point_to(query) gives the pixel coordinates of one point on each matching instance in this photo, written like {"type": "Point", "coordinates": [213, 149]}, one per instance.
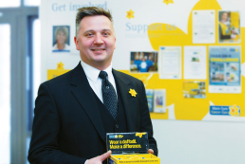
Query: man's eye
{"type": "Point", "coordinates": [89, 34]}
{"type": "Point", "coordinates": [106, 33]}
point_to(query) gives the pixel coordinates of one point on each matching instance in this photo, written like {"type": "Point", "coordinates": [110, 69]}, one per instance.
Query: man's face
{"type": "Point", "coordinates": [96, 41]}
{"type": "Point", "coordinates": [150, 56]}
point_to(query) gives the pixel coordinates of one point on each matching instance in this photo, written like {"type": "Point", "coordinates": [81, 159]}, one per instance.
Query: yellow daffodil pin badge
{"type": "Point", "coordinates": [132, 92]}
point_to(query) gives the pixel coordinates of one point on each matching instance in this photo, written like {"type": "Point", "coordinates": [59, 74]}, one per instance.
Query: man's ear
{"type": "Point", "coordinates": [76, 42]}
{"type": "Point", "coordinates": [115, 43]}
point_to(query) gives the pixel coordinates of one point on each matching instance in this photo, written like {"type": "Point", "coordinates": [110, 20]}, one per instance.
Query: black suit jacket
{"type": "Point", "coordinates": [67, 126]}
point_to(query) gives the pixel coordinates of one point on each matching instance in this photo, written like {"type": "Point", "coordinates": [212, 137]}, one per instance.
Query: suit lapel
{"type": "Point", "coordinates": [127, 100]}
{"type": "Point", "coordinates": [85, 96]}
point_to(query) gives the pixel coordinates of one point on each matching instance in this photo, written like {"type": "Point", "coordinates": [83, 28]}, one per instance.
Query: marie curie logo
{"type": "Point", "coordinates": [233, 110]}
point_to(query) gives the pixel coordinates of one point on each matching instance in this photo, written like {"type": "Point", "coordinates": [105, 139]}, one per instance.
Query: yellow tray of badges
{"type": "Point", "coordinates": [130, 148]}
{"type": "Point", "coordinates": [134, 158]}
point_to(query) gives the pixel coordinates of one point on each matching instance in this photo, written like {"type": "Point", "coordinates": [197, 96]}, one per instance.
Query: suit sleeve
{"type": "Point", "coordinates": [146, 124]}
{"type": "Point", "coordinates": [44, 146]}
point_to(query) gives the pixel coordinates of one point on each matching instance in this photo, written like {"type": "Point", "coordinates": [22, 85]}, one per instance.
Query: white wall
{"type": "Point", "coordinates": [200, 142]}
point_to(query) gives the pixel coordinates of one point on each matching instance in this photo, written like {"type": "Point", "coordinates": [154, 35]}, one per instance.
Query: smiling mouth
{"type": "Point", "coordinates": [97, 49]}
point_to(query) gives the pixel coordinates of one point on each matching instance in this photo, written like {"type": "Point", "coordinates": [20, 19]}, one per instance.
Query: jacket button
{"type": "Point", "coordinates": [117, 126]}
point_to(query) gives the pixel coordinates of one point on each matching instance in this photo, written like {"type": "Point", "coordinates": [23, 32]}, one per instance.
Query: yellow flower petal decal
{"type": "Point", "coordinates": [168, 1]}
{"type": "Point", "coordinates": [60, 66]}
{"type": "Point", "coordinates": [133, 92]}
{"type": "Point", "coordinates": [130, 14]}
{"type": "Point", "coordinates": [234, 110]}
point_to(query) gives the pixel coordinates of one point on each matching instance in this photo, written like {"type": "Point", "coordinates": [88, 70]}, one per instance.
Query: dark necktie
{"type": "Point", "coordinates": [109, 94]}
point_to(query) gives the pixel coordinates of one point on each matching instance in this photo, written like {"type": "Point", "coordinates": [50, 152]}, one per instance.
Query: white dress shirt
{"type": "Point", "coordinates": [95, 82]}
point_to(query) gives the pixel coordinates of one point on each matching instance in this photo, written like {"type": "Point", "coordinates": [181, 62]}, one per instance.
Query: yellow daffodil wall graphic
{"type": "Point", "coordinates": [132, 92]}
{"type": "Point", "coordinates": [168, 1]}
{"type": "Point", "coordinates": [130, 14]}
{"type": "Point", "coordinates": [234, 111]}
{"type": "Point", "coordinates": [144, 80]}
{"type": "Point", "coordinates": [60, 65]}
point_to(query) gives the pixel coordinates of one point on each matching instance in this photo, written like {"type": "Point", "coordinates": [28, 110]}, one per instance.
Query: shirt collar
{"type": "Point", "coordinates": [93, 73]}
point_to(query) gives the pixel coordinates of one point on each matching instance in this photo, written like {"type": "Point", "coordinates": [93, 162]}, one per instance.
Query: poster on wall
{"type": "Point", "coordinates": [225, 69]}
{"type": "Point", "coordinates": [144, 62]}
{"type": "Point", "coordinates": [195, 63]}
{"type": "Point", "coordinates": [160, 101]}
{"type": "Point", "coordinates": [229, 27]}
{"type": "Point", "coordinates": [194, 89]}
{"type": "Point", "coordinates": [61, 39]}
{"type": "Point", "coordinates": [150, 97]}
{"type": "Point", "coordinates": [203, 22]}
{"type": "Point", "coordinates": [170, 62]}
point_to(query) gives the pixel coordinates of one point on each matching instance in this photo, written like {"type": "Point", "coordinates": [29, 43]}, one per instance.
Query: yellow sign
{"type": "Point", "coordinates": [52, 73]}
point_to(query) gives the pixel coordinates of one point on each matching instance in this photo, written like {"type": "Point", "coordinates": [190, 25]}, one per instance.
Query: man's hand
{"type": "Point", "coordinates": [150, 151]}
{"type": "Point", "coordinates": [99, 159]}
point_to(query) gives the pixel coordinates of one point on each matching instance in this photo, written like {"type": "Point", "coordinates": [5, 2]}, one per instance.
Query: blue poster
{"type": "Point", "coordinates": [149, 95]}
{"type": "Point", "coordinates": [224, 69]}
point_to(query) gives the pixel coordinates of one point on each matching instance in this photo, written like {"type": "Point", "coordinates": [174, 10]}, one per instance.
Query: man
{"type": "Point", "coordinates": [137, 60]}
{"type": "Point", "coordinates": [143, 65]}
{"type": "Point", "coordinates": [71, 121]}
{"type": "Point", "coordinates": [149, 61]}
